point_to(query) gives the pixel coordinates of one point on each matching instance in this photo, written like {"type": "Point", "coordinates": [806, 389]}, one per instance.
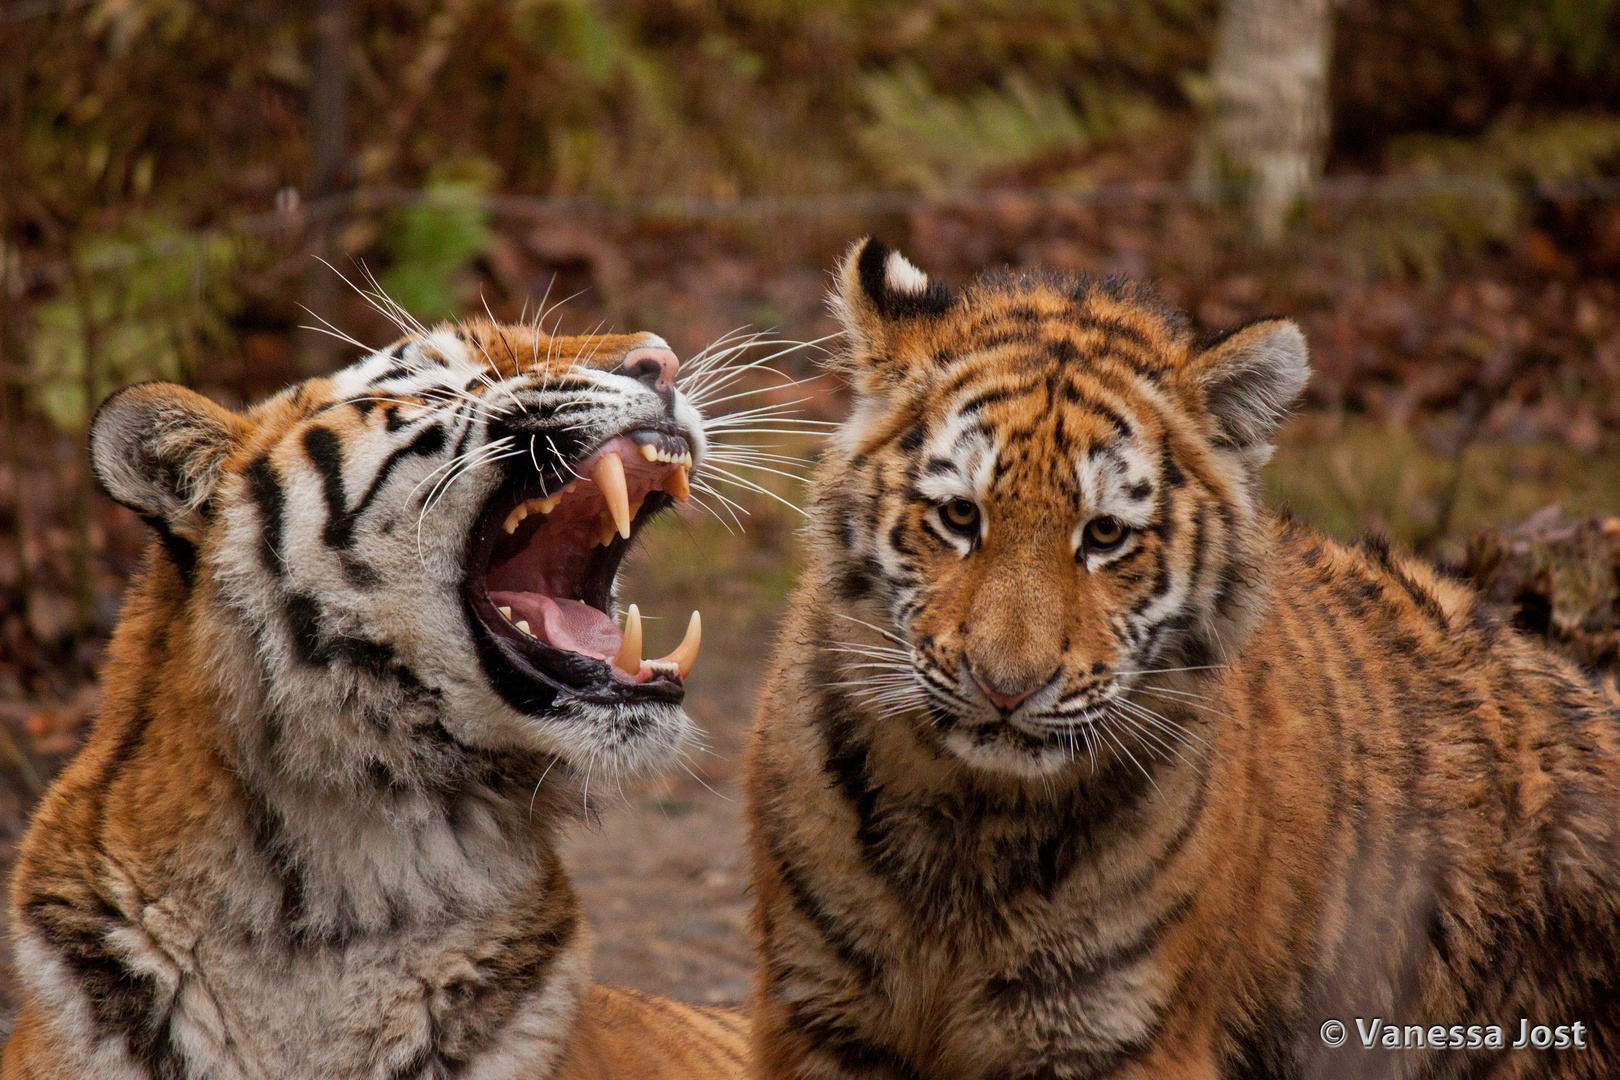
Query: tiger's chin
{"type": "Point", "coordinates": [542, 562]}
{"type": "Point", "coordinates": [1019, 751]}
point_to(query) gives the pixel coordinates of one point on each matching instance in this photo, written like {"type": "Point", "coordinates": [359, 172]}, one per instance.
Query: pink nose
{"type": "Point", "coordinates": [655, 367]}
{"type": "Point", "coordinates": [1004, 700]}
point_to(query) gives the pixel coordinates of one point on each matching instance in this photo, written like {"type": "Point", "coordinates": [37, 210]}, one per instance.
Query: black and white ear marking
{"type": "Point", "coordinates": [877, 285]}
{"type": "Point", "coordinates": [902, 277]}
{"type": "Point", "coordinates": [159, 448]}
{"type": "Point", "coordinates": [1250, 381]}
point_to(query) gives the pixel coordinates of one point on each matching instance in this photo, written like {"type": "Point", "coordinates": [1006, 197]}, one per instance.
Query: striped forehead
{"type": "Point", "coordinates": [450, 361]}
{"type": "Point", "coordinates": [1082, 441]}
{"type": "Point", "coordinates": [440, 361]}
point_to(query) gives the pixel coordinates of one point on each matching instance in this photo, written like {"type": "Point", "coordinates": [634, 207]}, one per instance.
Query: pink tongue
{"type": "Point", "coordinates": [566, 624]}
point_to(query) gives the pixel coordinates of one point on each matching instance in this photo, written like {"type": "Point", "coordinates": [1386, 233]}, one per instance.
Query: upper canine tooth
{"type": "Point", "coordinates": [677, 485]}
{"type": "Point", "coordinates": [649, 451]}
{"type": "Point", "coordinates": [686, 652]}
{"type": "Point", "coordinates": [629, 658]}
{"type": "Point", "coordinates": [609, 477]}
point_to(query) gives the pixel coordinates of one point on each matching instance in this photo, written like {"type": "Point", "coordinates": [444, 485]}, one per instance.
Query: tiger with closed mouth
{"type": "Point", "coordinates": [352, 697]}
{"type": "Point", "coordinates": [1075, 761]}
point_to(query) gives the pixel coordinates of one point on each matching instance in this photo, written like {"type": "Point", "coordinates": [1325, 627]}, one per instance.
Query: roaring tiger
{"type": "Point", "coordinates": [1077, 762]}
{"type": "Point", "coordinates": [351, 699]}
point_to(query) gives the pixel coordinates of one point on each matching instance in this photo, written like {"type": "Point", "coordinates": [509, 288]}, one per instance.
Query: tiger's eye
{"type": "Point", "coordinates": [1105, 534]}
{"type": "Point", "coordinates": [960, 516]}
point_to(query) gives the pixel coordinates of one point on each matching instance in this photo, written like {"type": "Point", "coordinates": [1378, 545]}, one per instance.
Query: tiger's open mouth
{"type": "Point", "coordinates": [541, 569]}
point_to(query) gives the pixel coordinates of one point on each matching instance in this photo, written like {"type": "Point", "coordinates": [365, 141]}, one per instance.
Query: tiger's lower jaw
{"type": "Point", "coordinates": [619, 740]}
{"type": "Point", "coordinates": [999, 747]}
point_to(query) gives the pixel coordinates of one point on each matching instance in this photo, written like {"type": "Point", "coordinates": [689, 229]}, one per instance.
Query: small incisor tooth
{"type": "Point", "coordinates": [609, 477]}
{"type": "Point", "coordinates": [686, 652]}
{"type": "Point", "coordinates": [629, 658]}
{"type": "Point", "coordinates": [677, 485]}
{"type": "Point", "coordinates": [649, 451]}
{"type": "Point", "coordinates": [515, 518]}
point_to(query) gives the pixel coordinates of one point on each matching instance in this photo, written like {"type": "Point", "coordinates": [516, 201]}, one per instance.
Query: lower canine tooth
{"type": "Point", "coordinates": [524, 626]}
{"type": "Point", "coordinates": [506, 612]}
{"type": "Point", "coordinates": [629, 658]}
{"type": "Point", "coordinates": [686, 652]}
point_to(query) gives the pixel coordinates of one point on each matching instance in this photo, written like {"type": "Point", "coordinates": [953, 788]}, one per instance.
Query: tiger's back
{"type": "Point", "coordinates": [1077, 762]}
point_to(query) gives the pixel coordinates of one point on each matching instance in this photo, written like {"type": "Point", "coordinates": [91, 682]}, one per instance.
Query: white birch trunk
{"type": "Point", "coordinates": [1270, 81]}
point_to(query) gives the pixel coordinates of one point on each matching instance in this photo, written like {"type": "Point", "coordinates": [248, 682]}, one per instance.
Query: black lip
{"type": "Point", "coordinates": [530, 673]}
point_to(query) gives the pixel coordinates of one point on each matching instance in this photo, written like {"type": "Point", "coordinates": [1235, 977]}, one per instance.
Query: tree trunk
{"type": "Point", "coordinates": [1269, 130]}
{"type": "Point", "coordinates": [318, 352]}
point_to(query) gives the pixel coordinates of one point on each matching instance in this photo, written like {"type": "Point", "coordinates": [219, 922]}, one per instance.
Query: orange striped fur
{"type": "Point", "coordinates": [313, 832]}
{"type": "Point", "coordinates": [1075, 761]}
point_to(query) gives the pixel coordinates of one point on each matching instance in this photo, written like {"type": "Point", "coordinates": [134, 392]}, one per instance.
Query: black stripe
{"type": "Point", "coordinates": [123, 1002]}
{"type": "Point", "coordinates": [325, 452]}
{"type": "Point", "coordinates": [986, 398]}
{"type": "Point", "coordinates": [1074, 395]}
{"type": "Point", "coordinates": [181, 552]}
{"type": "Point", "coordinates": [265, 488]}
{"type": "Point", "coordinates": [827, 926]}
{"type": "Point", "coordinates": [427, 443]}
{"type": "Point", "coordinates": [1046, 976]}
{"type": "Point", "coordinates": [854, 1054]}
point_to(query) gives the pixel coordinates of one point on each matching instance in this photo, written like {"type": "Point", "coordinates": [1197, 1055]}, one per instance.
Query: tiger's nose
{"type": "Point", "coordinates": [653, 366]}
{"type": "Point", "coordinates": [1008, 698]}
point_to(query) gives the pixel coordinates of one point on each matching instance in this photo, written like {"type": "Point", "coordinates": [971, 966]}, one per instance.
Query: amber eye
{"type": "Point", "coordinates": [1105, 534]}
{"type": "Point", "coordinates": [960, 516]}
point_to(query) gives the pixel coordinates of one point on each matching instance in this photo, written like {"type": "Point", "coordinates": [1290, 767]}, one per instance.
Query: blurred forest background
{"type": "Point", "coordinates": [1444, 221]}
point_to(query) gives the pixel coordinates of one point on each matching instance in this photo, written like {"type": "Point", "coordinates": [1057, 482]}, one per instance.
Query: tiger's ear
{"type": "Point", "coordinates": [1249, 382]}
{"type": "Point", "coordinates": [159, 449]}
{"type": "Point", "coordinates": [878, 292]}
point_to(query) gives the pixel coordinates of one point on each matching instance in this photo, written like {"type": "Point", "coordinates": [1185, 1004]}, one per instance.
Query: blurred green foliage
{"type": "Point", "coordinates": [433, 242]}
{"type": "Point", "coordinates": [1350, 475]}
{"type": "Point", "coordinates": [922, 139]}
{"type": "Point", "coordinates": [148, 305]}
{"type": "Point", "coordinates": [1416, 235]}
